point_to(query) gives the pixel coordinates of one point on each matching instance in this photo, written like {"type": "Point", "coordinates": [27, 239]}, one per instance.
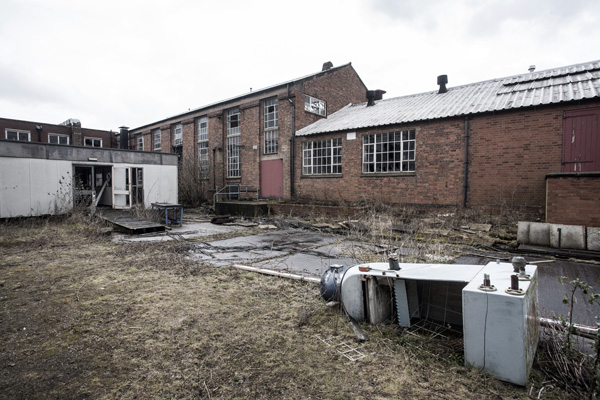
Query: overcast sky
{"type": "Point", "coordinates": [131, 62]}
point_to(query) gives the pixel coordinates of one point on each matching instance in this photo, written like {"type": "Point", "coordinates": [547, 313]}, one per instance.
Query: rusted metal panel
{"type": "Point", "coordinates": [581, 141]}
{"type": "Point", "coordinates": [271, 178]}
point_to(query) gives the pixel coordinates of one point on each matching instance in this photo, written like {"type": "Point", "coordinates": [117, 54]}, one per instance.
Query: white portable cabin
{"type": "Point", "coordinates": [46, 179]}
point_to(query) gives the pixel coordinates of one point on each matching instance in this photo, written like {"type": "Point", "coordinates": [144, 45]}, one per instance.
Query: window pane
{"type": "Point", "coordinates": [391, 152]}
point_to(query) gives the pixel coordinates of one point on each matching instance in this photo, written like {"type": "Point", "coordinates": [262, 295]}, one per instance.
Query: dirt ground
{"type": "Point", "coordinates": [84, 317]}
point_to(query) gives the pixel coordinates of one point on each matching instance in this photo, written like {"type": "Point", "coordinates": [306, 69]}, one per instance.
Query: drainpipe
{"type": "Point", "coordinates": [466, 183]}
{"type": "Point", "coordinates": [292, 142]}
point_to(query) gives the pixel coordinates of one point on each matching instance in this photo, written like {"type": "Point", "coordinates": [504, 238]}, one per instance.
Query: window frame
{"type": "Point", "coordinates": [178, 135]}
{"type": "Point", "coordinates": [202, 130]}
{"type": "Point", "coordinates": [234, 169]}
{"type": "Point", "coordinates": [203, 159]}
{"type": "Point", "coordinates": [234, 121]}
{"type": "Point", "coordinates": [234, 134]}
{"type": "Point", "coordinates": [315, 106]}
{"type": "Point", "coordinates": [389, 152]}
{"type": "Point", "coordinates": [202, 145]}
{"type": "Point", "coordinates": [93, 141]}
{"type": "Point", "coordinates": [139, 142]}
{"type": "Point", "coordinates": [157, 144]}
{"type": "Point", "coordinates": [322, 157]}
{"type": "Point", "coordinates": [271, 126]}
{"type": "Point", "coordinates": [59, 136]}
{"type": "Point", "coordinates": [18, 133]}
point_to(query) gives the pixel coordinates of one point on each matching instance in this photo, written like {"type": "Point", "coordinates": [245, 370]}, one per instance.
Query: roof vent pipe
{"type": "Point", "coordinates": [370, 98]}
{"type": "Point", "coordinates": [531, 68]}
{"type": "Point", "coordinates": [374, 95]}
{"type": "Point", "coordinates": [327, 65]}
{"type": "Point", "coordinates": [442, 80]}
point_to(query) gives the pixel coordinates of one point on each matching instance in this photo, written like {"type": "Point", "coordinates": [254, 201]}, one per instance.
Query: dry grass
{"type": "Point", "coordinates": [84, 317]}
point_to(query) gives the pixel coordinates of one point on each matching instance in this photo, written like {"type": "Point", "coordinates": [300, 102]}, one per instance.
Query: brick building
{"type": "Point", "coordinates": [69, 132]}
{"type": "Point", "coordinates": [500, 143]}
{"type": "Point", "coordinates": [247, 140]}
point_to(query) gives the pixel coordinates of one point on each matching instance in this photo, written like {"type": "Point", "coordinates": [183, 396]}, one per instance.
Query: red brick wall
{"type": "Point", "coordinates": [108, 137]}
{"type": "Point", "coordinates": [337, 87]}
{"type": "Point", "coordinates": [573, 199]}
{"type": "Point", "coordinates": [437, 180]}
{"type": "Point", "coordinates": [510, 154]}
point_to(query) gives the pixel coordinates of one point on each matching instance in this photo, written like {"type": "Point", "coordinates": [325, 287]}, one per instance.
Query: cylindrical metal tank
{"type": "Point", "coordinates": [330, 283]}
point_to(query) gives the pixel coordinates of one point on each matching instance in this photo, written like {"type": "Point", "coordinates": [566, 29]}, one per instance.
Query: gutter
{"type": "Point", "coordinates": [292, 142]}
{"type": "Point", "coordinates": [466, 175]}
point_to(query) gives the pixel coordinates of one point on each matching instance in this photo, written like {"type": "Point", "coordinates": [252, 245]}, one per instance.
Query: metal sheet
{"type": "Point", "coordinates": [558, 85]}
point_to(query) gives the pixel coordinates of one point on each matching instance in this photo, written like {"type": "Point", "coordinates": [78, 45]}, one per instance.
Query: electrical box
{"type": "Point", "coordinates": [501, 327]}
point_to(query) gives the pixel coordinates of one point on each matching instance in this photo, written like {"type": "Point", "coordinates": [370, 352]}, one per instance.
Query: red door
{"type": "Point", "coordinates": [271, 179]}
{"type": "Point", "coordinates": [581, 141]}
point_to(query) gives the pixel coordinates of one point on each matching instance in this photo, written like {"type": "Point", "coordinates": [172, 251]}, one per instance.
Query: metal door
{"type": "Point", "coordinates": [121, 186]}
{"type": "Point", "coordinates": [271, 178]}
{"type": "Point", "coordinates": [581, 141]}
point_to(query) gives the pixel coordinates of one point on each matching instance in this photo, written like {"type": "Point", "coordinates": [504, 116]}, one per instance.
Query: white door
{"type": "Point", "coordinates": [121, 182]}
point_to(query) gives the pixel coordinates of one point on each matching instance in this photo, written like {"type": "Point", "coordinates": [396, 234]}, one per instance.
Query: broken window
{"type": "Point", "coordinates": [15, 134]}
{"type": "Point", "coordinates": [202, 129]}
{"type": "Point", "coordinates": [271, 133]}
{"type": "Point", "coordinates": [315, 106]}
{"type": "Point", "coordinates": [55, 138]}
{"type": "Point", "coordinates": [92, 142]}
{"type": "Point", "coordinates": [156, 136]}
{"type": "Point", "coordinates": [178, 135]}
{"type": "Point", "coordinates": [233, 121]}
{"type": "Point", "coordinates": [389, 152]}
{"type": "Point", "coordinates": [322, 157]}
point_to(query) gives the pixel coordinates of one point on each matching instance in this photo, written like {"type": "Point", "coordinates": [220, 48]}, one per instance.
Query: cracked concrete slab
{"type": "Point", "coordinates": [180, 232]}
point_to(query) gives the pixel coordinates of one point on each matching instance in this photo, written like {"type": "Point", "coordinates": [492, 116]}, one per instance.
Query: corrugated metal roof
{"type": "Point", "coordinates": [576, 82]}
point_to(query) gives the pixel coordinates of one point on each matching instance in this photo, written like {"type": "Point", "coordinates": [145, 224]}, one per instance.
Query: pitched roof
{"type": "Point", "coordinates": [240, 97]}
{"type": "Point", "coordinates": [575, 82]}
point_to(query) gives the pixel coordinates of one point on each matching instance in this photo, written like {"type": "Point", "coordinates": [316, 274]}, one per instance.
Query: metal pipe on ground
{"type": "Point", "coordinates": [277, 273]}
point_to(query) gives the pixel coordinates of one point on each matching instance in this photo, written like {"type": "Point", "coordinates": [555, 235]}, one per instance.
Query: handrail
{"type": "Point", "coordinates": [226, 190]}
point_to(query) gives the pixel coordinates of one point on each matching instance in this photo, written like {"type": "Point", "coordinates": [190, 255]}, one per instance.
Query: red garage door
{"type": "Point", "coordinates": [271, 178]}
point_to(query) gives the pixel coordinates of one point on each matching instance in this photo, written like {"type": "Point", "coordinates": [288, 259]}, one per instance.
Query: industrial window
{"type": "Point", "coordinates": [55, 138]}
{"type": "Point", "coordinates": [202, 129]}
{"type": "Point", "coordinates": [314, 105]}
{"type": "Point", "coordinates": [233, 157]}
{"type": "Point", "coordinates": [271, 128]}
{"type": "Point", "coordinates": [389, 152]}
{"type": "Point", "coordinates": [178, 136]}
{"type": "Point", "coordinates": [156, 137]}
{"type": "Point", "coordinates": [233, 121]}
{"type": "Point", "coordinates": [322, 157]}
{"type": "Point", "coordinates": [92, 142]}
{"type": "Point", "coordinates": [203, 165]}
{"type": "Point", "coordinates": [140, 142]}
{"type": "Point", "coordinates": [233, 143]}
{"type": "Point", "coordinates": [15, 134]}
